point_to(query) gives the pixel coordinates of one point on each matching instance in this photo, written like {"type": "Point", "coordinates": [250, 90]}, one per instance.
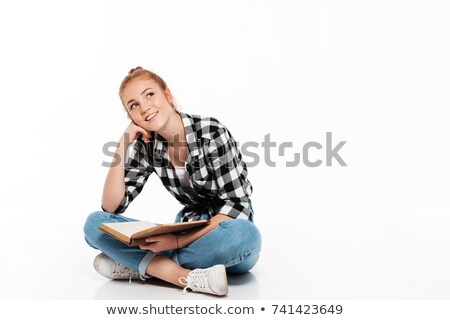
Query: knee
{"type": "Point", "coordinates": [245, 264]}
{"type": "Point", "coordinates": [242, 233]}
{"type": "Point", "coordinates": [239, 238]}
{"type": "Point", "coordinates": [244, 242]}
{"type": "Point", "coordinates": [93, 221]}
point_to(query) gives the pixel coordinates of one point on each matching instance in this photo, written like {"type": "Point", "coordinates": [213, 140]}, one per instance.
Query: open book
{"type": "Point", "coordinates": [134, 233]}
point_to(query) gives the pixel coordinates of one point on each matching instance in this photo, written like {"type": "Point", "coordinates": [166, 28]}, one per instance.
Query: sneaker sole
{"type": "Point", "coordinates": [97, 261]}
{"type": "Point", "coordinates": [221, 277]}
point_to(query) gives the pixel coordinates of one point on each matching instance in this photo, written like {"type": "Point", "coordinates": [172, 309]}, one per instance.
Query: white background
{"type": "Point", "coordinates": [374, 73]}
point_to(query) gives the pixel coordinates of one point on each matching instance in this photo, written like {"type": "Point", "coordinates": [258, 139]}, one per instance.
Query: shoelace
{"type": "Point", "coordinates": [123, 272]}
{"type": "Point", "coordinates": [198, 282]}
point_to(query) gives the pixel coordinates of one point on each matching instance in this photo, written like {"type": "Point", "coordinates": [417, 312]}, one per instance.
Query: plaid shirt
{"type": "Point", "coordinates": [217, 173]}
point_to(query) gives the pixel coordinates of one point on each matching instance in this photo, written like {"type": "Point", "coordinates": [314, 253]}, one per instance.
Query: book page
{"type": "Point", "coordinates": [129, 228]}
{"type": "Point", "coordinates": [168, 228]}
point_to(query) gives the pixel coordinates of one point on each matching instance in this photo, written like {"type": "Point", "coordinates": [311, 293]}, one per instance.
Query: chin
{"type": "Point", "coordinates": [152, 126]}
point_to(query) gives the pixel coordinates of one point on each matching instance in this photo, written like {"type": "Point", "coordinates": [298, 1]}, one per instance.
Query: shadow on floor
{"type": "Point", "coordinates": [243, 286]}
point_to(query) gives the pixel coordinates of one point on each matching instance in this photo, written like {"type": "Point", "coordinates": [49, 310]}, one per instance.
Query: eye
{"type": "Point", "coordinates": [133, 106]}
{"type": "Point", "coordinates": [149, 94]}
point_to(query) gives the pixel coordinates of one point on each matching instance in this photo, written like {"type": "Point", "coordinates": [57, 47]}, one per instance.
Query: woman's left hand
{"type": "Point", "coordinates": [160, 242]}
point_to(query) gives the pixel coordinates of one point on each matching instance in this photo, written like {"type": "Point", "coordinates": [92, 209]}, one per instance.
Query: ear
{"type": "Point", "coordinates": [168, 95]}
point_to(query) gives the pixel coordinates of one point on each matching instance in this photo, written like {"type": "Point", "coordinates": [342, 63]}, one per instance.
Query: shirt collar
{"type": "Point", "coordinates": [160, 145]}
{"type": "Point", "coordinates": [192, 139]}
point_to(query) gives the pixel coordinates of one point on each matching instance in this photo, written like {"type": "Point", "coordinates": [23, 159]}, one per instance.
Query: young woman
{"type": "Point", "coordinates": [199, 163]}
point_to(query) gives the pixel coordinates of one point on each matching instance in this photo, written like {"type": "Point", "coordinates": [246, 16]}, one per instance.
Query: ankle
{"type": "Point", "coordinates": [212, 280]}
{"type": "Point", "coordinates": [165, 269]}
{"type": "Point", "coordinates": [182, 275]}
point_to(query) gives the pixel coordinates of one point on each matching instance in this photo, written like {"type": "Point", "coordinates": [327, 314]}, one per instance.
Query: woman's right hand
{"type": "Point", "coordinates": [133, 131]}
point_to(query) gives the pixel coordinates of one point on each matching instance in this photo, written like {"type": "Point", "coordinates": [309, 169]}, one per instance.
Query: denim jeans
{"type": "Point", "coordinates": [234, 243]}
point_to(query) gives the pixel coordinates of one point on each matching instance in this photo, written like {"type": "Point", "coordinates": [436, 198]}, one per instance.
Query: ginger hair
{"type": "Point", "coordinates": [141, 73]}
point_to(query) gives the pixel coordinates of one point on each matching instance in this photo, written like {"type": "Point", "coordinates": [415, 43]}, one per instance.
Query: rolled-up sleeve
{"type": "Point", "coordinates": [230, 171]}
{"type": "Point", "coordinates": [137, 171]}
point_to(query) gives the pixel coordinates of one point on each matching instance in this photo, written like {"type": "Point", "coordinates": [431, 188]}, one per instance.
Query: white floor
{"type": "Point", "coordinates": [375, 75]}
{"type": "Point", "coordinates": [344, 255]}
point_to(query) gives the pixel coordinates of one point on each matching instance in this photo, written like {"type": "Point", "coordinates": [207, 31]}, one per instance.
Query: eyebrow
{"type": "Point", "coordinates": [132, 100]}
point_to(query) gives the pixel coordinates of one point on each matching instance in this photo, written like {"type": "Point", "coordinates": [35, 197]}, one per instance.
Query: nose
{"type": "Point", "coordinates": [144, 107]}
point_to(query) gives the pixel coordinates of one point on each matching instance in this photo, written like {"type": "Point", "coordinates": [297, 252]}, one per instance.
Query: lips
{"type": "Point", "coordinates": [151, 116]}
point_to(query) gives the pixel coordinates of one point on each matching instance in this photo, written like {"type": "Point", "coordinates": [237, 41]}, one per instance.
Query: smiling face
{"type": "Point", "coordinates": [148, 105]}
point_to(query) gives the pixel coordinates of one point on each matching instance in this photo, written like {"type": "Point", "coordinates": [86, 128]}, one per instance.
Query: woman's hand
{"type": "Point", "coordinates": [133, 131]}
{"type": "Point", "coordinates": [161, 242]}
{"type": "Point", "coordinates": [114, 187]}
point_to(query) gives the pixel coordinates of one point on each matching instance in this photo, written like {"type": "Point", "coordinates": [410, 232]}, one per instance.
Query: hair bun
{"type": "Point", "coordinates": [134, 70]}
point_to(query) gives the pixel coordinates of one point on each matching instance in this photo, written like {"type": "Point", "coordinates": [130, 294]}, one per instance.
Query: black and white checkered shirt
{"type": "Point", "coordinates": [217, 173]}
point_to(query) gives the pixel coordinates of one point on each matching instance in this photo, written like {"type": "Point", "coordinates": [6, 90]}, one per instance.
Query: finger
{"type": "Point", "coordinates": [144, 134]}
{"type": "Point", "coordinates": [149, 136]}
{"type": "Point", "coordinates": [155, 238]}
{"type": "Point", "coordinates": [146, 246]}
{"type": "Point", "coordinates": [139, 129]}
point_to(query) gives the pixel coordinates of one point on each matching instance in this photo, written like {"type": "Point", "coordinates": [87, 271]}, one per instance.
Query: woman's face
{"type": "Point", "coordinates": [147, 104]}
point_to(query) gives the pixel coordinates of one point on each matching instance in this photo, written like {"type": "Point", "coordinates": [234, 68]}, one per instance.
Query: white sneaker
{"type": "Point", "coordinates": [111, 269]}
{"type": "Point", "coordinates": [211, 280]}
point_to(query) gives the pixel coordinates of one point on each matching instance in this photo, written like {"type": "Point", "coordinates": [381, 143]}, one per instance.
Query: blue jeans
{"type": "Point", "coordinates": [234, 243]}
